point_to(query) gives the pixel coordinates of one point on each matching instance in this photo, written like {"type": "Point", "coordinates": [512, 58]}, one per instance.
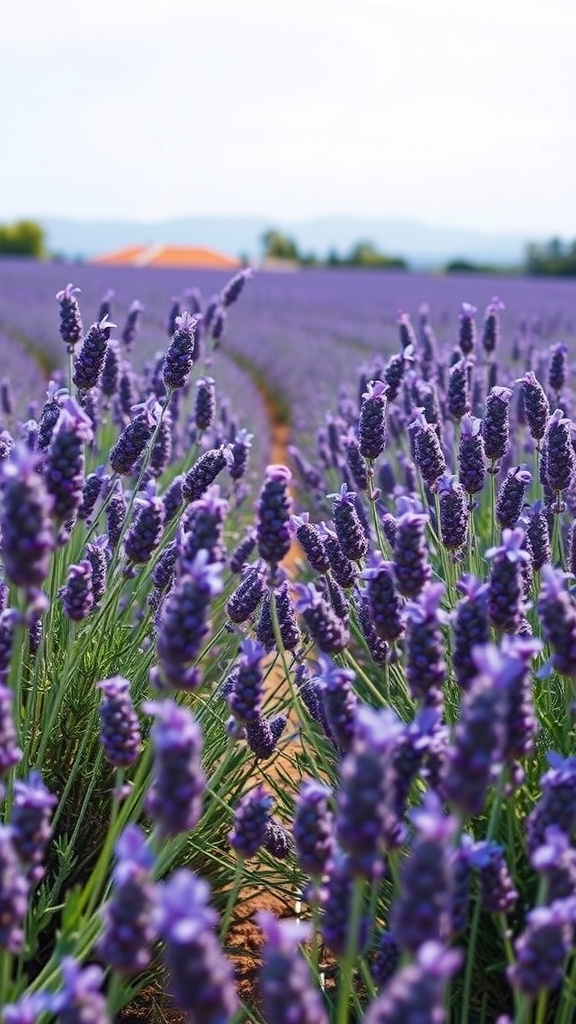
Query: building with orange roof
{"type": "Point", "coordinates": [174, 256]}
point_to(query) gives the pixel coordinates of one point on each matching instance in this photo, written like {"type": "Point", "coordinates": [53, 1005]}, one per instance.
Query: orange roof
{"type": "Point", "coordinates": [168, 256]}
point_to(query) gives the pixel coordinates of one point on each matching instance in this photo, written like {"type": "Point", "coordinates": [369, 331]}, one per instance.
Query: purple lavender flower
{"type": "Point", "coordinates": [50, 414]}
{"type": "Point", "coordinates": [288, 993]}
{"type": "Point", "coordinates": [536, 406]}
{"type": "Point", "coordinates": [560, 457]}
{"type": "Point", "coordinates": [133, 440]}
{"type": "Point", "coordinates": [172, 498]}
{"type": "Point", "coordinates": [454, 513]}
{"type": "Point", "coordinates": [205, 406]}
{"type": "Point", "coordinates": [395, 370]}
{"type": "Point", "coordinates": [81, 1000]}
{"type": "Point", "coordinates": [539, 534]}
{"type": "Point", "coordinates": [356, 461]}
{"type": "Point", "coordinates": [505, 586]}
{"type": "Point", "coordinates": [458, 392]}
{"type": "Point", "coordinates": [349, 529]}
{"type": "Point", "coordinates": [14, 887]}
{"type": "Point", "coordinates": [184, 623]}
{"type": "Point", "coordinates": [491, 327]}
{"type": "Point", "coordinates": [497, 890]}
{"type": "Point", "coordinates": [180, 354]}
{"type": "Point", "coordinates": [425, 667]}
{"type": "Point", "coordinates": [30, 823]}
{"type": "Point", "coordinates": [557, 614]}
{"type": "Point", "coordinates": [557, 369]}
{"type": "Point", "coordinates": [119, 726]}
{"type": "Point", "coordinates": [132, 324]}
{"type": "Point", "coordinates": [325, 628]}
{"type": "Point", "coordinates": [411, 567]}
{"type": "Point", "coordinates": [26, 532]}
{"type": "Point", "coordinates": [428, 454]}
{"type": "Point", "coordinates": [146, 528]}
{"type": "Point", "coordinates": [542, 948]}
{"type": "Point", "coordinates": [175, 798]}
{"type": "Point", "coordinates": [240, 450]}
{"type": "Point", "coordinates": [130, 926]}
{"type": "Point", "coordinates": [337, 904]}
{"type": "Point", "coordinates": [89, 362]}
{"type": "Point", "coordinates": [495, 424]}
{"type": "Point", "coordinates": [385, 960]}
{"type": "Point", "coordinates": [64, 466]}
{"type": "Point", "coordinates": [274, 507]}
{"type": "Point", "coordinates": [510, 666]}
{"type": "Point", "coordinates": [510, 498]}
{"type": "Point", "coordinates": [110, 377]}
{"type": "Point", "coordinates": [421, 912]}
{"type": "Point", "coordinates": [470, 628]}
{"type": "Point", "coordinates": [201, 976]}
{"type": "Point", "coordinates": [262, 735]}
{"type": "Point", "coordinates": [244, 601]}
{"type": "Point", "coordinates": [362, 796]}
{"type": "Point", "coordinates": [289, 631]}
{"type": "Point", "coordinates": [235, 286]}
{"type": "Point", "coordinates": [343, 569]}
{"type": "Point", "coordinates": [377, 647]}
{"type": "Point", "coordinates": [278, 842]}
{"type": "Point", "coordinates": [116, 515]}
{"type": "Point", "coordinates": [219, 324]}
{"type": "Point", "coordinates": [71, 328]}
{"type": "Point", "coordinates": [92, 490]}
{"type": "Point", "coordinates": [555, 860]}
{"type": "Point", "coordinates": [461, 870]}
{"type": "Point", "coordinates": [28, 1008]}
{"type": "Point", "coordinates": [246, 698]}
{"type": "Point", "coordinates": [471, 455]}
{"type": "Point", "coordinates": [78, 596]}
{"type": "Point", "coordinates": [8, 621]}
{"type": "Point", "coordinates": [372, 425]}
{"type": "Point", "coordinates": [467, 331]}
{"type": "Point", "coordinates": [204, 472]}
{"type": "Point", "coordinates": [310, 539]}
{"type": "Point", "coordinates": [415, 994]}
{"type": "Point", "coordinates": [339, 702]}
{"type": "Point", "coordinates": [313, 828]}
{"type": "Point", "coordinates": [251, 818]}
{"type": "Point", "coordinates": [556, 805]}
{"type": "Point", "coordinates": [243, 550]}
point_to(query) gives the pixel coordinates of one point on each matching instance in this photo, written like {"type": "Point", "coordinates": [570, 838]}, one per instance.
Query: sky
{"type": "Point", "coordinates": [459, 113]}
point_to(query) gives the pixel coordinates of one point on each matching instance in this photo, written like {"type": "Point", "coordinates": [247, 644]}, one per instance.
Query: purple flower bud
{"type": "Point", "coordinates": [415, 994]}
{"type": "Point", "coordinates": [110, 378]}
{"type": "Point", "coordinates": [204, 472]}
{"type": "Point", "coordinates": [205, 407]}
{"type": "Point", "coordinates": [349, 530]}
{"type": "Point", "coordinates": [146, 528]}
{"type": "Point", "coordinates": [184, 623]}
{"type": "Point", "coordinates": [471, 455]}
{"type": "Point", "coordinates": [262, 735]}
{"type": "Point", "coordinates": [372, 425]}
{"type": "Point", "coordinates": [557, 803]}
{"type": "Point", "coordinates": [235, 286]}
{"type": "Point", "coordinates": [132, 324]}
{"type": "Point", "coordinates": [411, 568]}
{"type": "Point", "coordinates": [26, 533]}
{"type": "Point", "coordinates": [557, 614]}
{"type": "Point", "coordinates": [458, 392]}
{"type": "Point", "coordinates": [78, 595]}
{"type": "Point", "coordinates": [71, 328]}
{"type": "Point", "coordinates": [313, 829]}
{"type": "Point", "coordinates": [130, 927]}
{"type": "Point", "coordinates": [310, 540]}
{"type": "Point", "coordinates": [201, 976]}
{"type": "Point", "coordinates": [343, 569]}
{"type": "Point", "coordinates": [556, 861]}
{"type": "Point", "coordinates": [274, 507]}
{"type": "Point", "coordinates": [289, 632]}
{"type": "Point", "coordinates": [467, 332]}
{"type": "Point", "coordinates": [251, 819]}
{"type": "Point", "coordinates": [91, 492]}
{"type": "Point", "coordinates": [428, 454]}
{"type": "Point", "coordinates": [175, 799]}
{"type": "Point", "coordinates": [425, 667]}
{"type": "Point", "coordinates": [454, 513]}
{"type": "Point", "coordinates": [81, 1000]}
{"type": "Point", "coordinates": [244, 601]}
{"type": "Point", "coordinates": [491, 328]}
{"type": "Point", "coordinates": [172, 498]}
{"type": "Point", "coordinates": [288, 993]}
{"type": "Point", "coordinates": [247, 696]}
{"type": "Point", "coordinates": [219, 323]}
{"type": "Point", "coordinates": [89, 362]}
{"type": "Point", "coordinates": [7, 628]}
{"type": "Point", "coordinates": [461, 869]}
{"type": "Point", "coordinates": [560, 457]}
{"type": "Point", "coordinates": [115, 515]}
{"type": "Point", "coordinates": [64, 466]}
{"type": "Point", "coordinates": [385, 960]}
{"type": "Point", "coordinates": [337, 905]}
{"type": "Point", "coordinates": [134, 438]}
{"type": "Point", "coordinates": [495, 425]}
{"type": "Point", "coordinates": [505, 590]}
{"type": "Point", "coordinates": [325, 628]}
{"type": "Point", "coordinates": [377, 647]}
{"type": "Point", "coordinates": [14, 887]}
{"type": "Point", "coordinates": [542, 948]}
{"type": "Point", "coordinates": [557, 369]}
{"type": "Point", "coordinates": [421, 912]}
{"type": "Point", "coordinates": [30, 823]}
{"type": "Point", "coordinates": [536, 407]}
{"type": "Point", "coordinates": [180, 354]}
{"type": "Point", "coordinates": [539, 534]}
{"type": "Point", "coordinates": [119, 727]}
{"type": "Point", "coordinates": [356, 461]}
{"type": "Point", "coordinates": [243, 550]}
{"type": "Point", "coordinates": [470, 628]}
{"type": "Point", "coordinates": [339, 702]}
{"type": "Point", "coordinates": [497, 890]}
{"type": "Point", "coordinates": [510, 498]}
{"type": "Point", "coordinates": [278, 842]}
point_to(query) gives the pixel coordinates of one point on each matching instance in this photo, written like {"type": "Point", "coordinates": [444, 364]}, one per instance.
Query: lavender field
{"type": "Point", "coordinates": [287, 648]}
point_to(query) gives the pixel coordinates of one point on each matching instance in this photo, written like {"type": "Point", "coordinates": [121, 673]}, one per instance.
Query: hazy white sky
{"type": "Point", "coordinates": [455, 112]}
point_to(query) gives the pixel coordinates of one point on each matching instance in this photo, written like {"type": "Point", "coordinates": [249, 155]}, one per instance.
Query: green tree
{"type": "Point", "coordinates": [278, 246]}
{"type": "Point", "coordinates": [23, 238]}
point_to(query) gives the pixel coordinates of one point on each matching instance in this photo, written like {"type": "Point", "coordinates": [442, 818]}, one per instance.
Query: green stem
{"type": "Point", "coordinates": [347, 964]}
{"type": "Point", "coordinates": [232, 899]}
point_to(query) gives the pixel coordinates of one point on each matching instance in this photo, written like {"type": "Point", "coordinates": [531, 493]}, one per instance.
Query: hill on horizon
{"type": "Point", "coordinates": [423, 245]}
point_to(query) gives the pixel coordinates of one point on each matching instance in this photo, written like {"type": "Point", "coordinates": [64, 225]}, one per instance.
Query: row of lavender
{"type": "Point", "coordinates": [412, 804]}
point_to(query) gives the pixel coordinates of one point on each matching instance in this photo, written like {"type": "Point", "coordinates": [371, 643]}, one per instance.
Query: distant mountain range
{"type": "Point", "coordinates": [421, 244]}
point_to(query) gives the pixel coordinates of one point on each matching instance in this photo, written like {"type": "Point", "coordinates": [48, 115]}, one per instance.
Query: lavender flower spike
{"type": "Point", "coordinates": [505, 586]}
{"type": "Point", "coordinates": [557, 613]}
{"type": "Point", "coordinates": [288, 992]}
{"type": "Point", "coordinates": [414, 995]}
{"type": "Point", "coordinates": [180, 355]}
{"type": "Point", "coordinates": [560, 463]}
{"type": "Point", "coordinates": [119, 727]}
{"type": "Point", "coordinates": [325, 628]}
{"type": "Point", "coordinates": [89, 362]}
{"type": "Point", "coordinates": [26, 531]}
{"type": "Point", "coordinates": [251, 819]}
{"type": "Point", "coordinates": [372, 425]}
{"type": "Point", "coordinates": [274, 508]}
{"type": "Point", "coordinates": [175, 799]}
{"type": "Point", "coordinates": [71, 329]}
{"type": "Point", "coordinates": [30, 822]}
{"type": "Point", "coordinates": [471, 455]}
{"type": "Point", "coordinates": [82, 998]}
{"type": "Point", "coordinates": [130, 919]}
{"type": "Point", "coordinates": [495, 424]}
{"type": "Point", "coordinates": [454, 513]}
